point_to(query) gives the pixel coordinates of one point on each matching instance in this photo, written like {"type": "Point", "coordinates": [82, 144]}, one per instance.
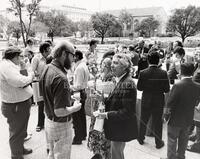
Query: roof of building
{"type": "Point", "coordinates": [137, 12]}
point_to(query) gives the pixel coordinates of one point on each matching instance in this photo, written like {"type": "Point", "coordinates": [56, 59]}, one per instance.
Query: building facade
{"type": "Point", "coordinates": [138, 14]}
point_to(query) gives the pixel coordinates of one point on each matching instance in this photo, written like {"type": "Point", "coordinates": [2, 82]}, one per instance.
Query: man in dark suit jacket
{"type": "Point", "coordinates": [120, 124]}
{"type": "Point", "coordinates": [142, 52]}
{"type": "Point", "coordinates": [154, 83]}
{"type": "Point", "coordinates": [195, 147]}
{"type": "Point", "coordinates": [182, 99]}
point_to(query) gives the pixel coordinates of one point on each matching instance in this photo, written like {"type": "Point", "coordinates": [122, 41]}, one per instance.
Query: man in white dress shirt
{"type": "Point", "coordinates": [15, 95]}
{"type": "Point", "coordinates": [81, 77]}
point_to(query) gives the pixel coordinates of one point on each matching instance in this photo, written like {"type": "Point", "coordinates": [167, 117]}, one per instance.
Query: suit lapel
{"type": "Point", "coordinates": [118, 85]}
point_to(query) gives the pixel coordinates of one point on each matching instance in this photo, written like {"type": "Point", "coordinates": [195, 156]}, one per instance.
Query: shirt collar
{"type": "Point", "coordinates": [58, 65]}
{"type": "Point", "coordinates": [119, 78]}
{"type": "Point", "coordinates": [153, 65]}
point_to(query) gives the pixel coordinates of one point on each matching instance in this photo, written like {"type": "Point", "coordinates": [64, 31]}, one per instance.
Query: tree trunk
{"type": "Point", "coordinates": [52, 38]}
{"type": "Point", "coordinates": [22, 29]}
{"type": "Point", "coordinates": [102, 38]}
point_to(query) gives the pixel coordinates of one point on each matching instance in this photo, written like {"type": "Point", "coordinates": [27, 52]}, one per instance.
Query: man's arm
{"type": "Point", "coordinates": [166, 83]}
{"type": "Point", "coordinates": [141, 82]}
{"type": "Point", "coordinates": [62, 97]}
{"type": "Point", "coordinates": [128, 104]}
{"type": "Point", "coordinates": [15, 79]}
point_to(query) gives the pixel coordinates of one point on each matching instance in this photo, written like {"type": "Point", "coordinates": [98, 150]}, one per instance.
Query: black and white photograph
{"type": "Point", "coordinates": [100, 79]}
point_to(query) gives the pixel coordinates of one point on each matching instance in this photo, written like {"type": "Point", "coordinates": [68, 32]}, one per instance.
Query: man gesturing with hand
{"type": "Point", "coordinates": [57, 101]}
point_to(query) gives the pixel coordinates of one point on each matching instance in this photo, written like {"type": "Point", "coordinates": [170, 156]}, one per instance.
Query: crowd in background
{"type": "Point", "coordinates": [57, 80]}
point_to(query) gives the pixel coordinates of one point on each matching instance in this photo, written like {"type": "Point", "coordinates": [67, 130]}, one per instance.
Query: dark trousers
{"type": "Point", "coordinates": [41, 115]}
{"type": "Point", "coordinates": [17, 115]}
{"type": "Point", "coordinates": [79, 120]}
{"type": "Point", "coordinates": [156, 121]}
{"type": "Point", "coordinates": [177, 135]}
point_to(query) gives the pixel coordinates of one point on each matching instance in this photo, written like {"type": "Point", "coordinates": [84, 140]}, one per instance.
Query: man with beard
{"type": "Point", "coordinates": [56, 93]}
{"type": "Point", "coordinates": [81, 77]}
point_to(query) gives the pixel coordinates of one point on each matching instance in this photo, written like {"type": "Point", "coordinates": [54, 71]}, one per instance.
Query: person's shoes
{"type": "Point", "coordinates": [192, 137]}
{"type": "Point", "coordinates": [141, 142]}
{"type": "Point", "coordinates": [39, 128]}
{"type": "Point", "coordinates": [27, 151]}
{"type": "Point", "coordinates": [97, 156]}
{"type": "Point", "coordinates": [193, 149]}
{"type": "Point", "coordinates": [160, 145]}
{"type": "Point", "coordinates": [28, 137]}
{"type": "Point", "coordinates": [76, 142]}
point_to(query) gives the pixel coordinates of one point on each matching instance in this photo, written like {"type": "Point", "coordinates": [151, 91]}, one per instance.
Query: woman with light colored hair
{"type": "Point", "coordinates": [97, 142]}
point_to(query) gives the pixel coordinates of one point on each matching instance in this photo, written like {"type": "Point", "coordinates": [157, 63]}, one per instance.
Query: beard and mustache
{"type": "Point", "coordinates": [67, 63]}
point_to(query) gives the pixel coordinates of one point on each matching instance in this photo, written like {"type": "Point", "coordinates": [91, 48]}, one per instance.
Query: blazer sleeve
{"type": "Point", "coordinates": [166, 83]}
{"type": "Point", "coordinates": [141, 82]}
{"type": "Point", "coordinates": [173, 97]}
{"type": "Point", "coordinates": [128, 104]}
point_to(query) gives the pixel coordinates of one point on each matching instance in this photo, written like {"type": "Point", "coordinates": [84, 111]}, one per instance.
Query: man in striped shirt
{"type": "Point", "coordinates": [15, 93]}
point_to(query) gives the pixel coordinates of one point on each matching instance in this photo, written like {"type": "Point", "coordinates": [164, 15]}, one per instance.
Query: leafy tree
{"type": "Point", "coordinates": [126, 20]}
{"type": "Point", "coordinates": [101, 22]}
{"type": "Point", "coordinates": [84, 27]}
{"type": "Point", "coordinates": [147, 26]}
{"type": "Point", "coordinates": [14, 29]}
{"type": "Point", "coordinates": [56, 22]}
{"type": "Point", "coordinates": [115, 30]}
{"type": "Point", "coordinates": [18, 7]}
{"type": "Point", "coordinates": [184, 22]}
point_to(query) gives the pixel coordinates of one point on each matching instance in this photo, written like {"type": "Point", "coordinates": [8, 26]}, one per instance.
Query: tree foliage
{"type": "Point", "coordinates": [115, 29]}
{"type": "Point", "coordinates": [14, 29]}
{"type": "Point", "coordinates": [101, 22]}
{"type": "Point", "coordinates": [147, 26]}
{"type": "Point", "coordinates": [84, 27]}
{"type": "Point", "coordinates": [184, 22]}
{"type": "Point", "coordinates": [56, 22]}
{"type": "Point", "coordinates": [18, 7]}
{"type": "Point", "coordinates": [126, 19]}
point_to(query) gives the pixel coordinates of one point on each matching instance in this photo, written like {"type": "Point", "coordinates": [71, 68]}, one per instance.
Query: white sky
{"type": "Point", "coordinates": [99, 5]}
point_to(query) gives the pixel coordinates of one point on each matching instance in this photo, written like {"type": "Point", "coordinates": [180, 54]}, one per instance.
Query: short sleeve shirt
{"type": "Point", "coordinates": [55, 90]}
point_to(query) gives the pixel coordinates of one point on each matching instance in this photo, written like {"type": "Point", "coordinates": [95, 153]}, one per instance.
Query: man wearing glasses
{"type": "Point", "coordinates": [57, 100]}
{"type": "Point", "coordinates": [15, 93]}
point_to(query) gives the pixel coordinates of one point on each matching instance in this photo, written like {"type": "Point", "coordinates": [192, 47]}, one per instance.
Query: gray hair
{"type": "Point", "coordinates": [124, 60]}
{"type": "Point", "coordinates": [62, 46]}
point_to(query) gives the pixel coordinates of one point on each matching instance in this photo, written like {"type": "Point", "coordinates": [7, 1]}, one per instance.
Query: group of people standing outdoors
{"type": "Point", "coordinates": [61, 106]}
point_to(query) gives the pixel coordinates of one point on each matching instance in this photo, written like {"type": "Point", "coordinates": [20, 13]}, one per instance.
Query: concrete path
{"type": "Point", "coordinates": [132, 151]}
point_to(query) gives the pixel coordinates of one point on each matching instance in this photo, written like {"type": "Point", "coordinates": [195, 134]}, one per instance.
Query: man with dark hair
{"type": "Point", "coordinates": [15, 93]}
{"type": "Point", "coordinates": [81, 77]}
{"type": "Point", "coordinates": [38, 64]}
{"type": "Point", "coordinates": [154, 83]}
{"type": "Point", "coordinates": [179, 112]}
{"type": "Point", "coordinates": [91, 54]}
{"type": "Point", "coordinates": [175, 66]}
{"type": "Point", "coordinates": [142, 52]}
{"type": "Point", "coordinates": [57, 100]}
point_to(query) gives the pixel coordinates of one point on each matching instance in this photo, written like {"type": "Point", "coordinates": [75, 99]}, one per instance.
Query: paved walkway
{"type": "Point", "coordinates": [132, 151]}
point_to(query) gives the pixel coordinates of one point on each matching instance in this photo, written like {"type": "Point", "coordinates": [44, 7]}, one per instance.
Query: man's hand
{"type": "Point", "coordinates": [166, 114]}
{"type": "Point", "coordinates": [76, 106]}
{"type": "Point", "coordinates": [99, 115]}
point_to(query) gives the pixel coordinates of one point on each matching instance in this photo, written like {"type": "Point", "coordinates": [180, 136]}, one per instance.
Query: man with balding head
{"type": "Point", "coordinates": [120, 124]}
{"type": "Point", "coordinates": [56, 93]}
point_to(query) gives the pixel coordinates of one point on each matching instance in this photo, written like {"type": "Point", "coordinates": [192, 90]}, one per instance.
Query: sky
{"type": "Point", "coordinates": [100, 5]}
